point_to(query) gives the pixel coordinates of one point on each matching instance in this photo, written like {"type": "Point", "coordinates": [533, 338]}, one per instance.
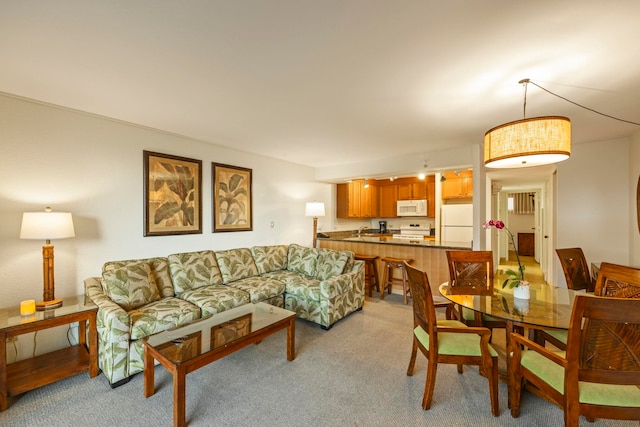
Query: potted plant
{"type": "Point", "coordinates": [515, 279]}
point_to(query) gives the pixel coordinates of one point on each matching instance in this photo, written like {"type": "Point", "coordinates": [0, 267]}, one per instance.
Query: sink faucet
{"type": "Point", "coordinates": [360, 230]}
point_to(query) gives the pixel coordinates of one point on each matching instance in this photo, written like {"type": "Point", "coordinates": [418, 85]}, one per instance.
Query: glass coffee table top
{"type": "Point", "coordinates": [201, 336]}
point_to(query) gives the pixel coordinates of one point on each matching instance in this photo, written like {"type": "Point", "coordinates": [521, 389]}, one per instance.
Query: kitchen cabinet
{"type": "Point", "coordinates": [354, 200]}
{"type": "Point", "coordinates": [388, 199]}
{"type": "Point", "coordinates": [457, 186]}
{"type": "Point", "coordinates": [406, 189]}
{"type": "Point", "coordinates": [412, 190]}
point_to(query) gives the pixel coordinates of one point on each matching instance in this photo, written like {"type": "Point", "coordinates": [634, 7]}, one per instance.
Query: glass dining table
{"type": "Point", "coordinates": [549, 307]}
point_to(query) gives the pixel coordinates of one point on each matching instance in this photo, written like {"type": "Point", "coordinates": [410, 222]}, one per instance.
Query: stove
{"type": "Point", "coordinates": [413, 231]}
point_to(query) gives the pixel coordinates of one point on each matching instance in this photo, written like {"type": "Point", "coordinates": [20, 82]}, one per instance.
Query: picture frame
{"type": "Point", "coordinates": [172, 195]}
{"type": "Point", "coordinates": [232, 198]}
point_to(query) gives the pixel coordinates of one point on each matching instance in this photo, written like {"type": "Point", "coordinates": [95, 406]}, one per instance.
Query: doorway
{"type": "Point", "coordinates": [539, 184]}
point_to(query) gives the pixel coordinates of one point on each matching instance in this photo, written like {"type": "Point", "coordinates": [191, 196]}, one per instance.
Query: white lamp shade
{"type": "Point", "coordinates": [314, 209]}
{"type": "Point", "coordinates": [46, 225]}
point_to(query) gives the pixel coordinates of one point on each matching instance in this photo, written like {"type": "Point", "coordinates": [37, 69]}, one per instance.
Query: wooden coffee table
{"type": "Point", "coordinates": [192, 346]}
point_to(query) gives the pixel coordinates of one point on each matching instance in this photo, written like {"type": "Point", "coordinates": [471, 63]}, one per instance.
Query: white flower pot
{"type": "Point", "coordinates": [521, 291]}
{"type": "Point", "coordinates": [521, 305]}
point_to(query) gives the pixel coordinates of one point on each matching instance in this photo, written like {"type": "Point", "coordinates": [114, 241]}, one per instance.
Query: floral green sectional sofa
{"type": "Point", "coordinates": [141, 297]}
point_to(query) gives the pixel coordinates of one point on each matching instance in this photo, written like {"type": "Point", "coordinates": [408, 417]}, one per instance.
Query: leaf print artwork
{"type": "Point", "coordinates": [173, 194]}
{"type": "Point", "coordinates": [232, 198]}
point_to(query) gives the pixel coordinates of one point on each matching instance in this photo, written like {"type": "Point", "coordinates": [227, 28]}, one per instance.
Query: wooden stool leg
{"type": "Point", "coordinates": [404, 284]}
{"type": "Point", "coordinates": [385, 281]}
{"type": "Point", "coordinates": [375, 281]}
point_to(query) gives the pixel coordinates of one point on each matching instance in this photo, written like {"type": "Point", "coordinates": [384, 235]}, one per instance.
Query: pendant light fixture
{"type": "Point", "coordinates": [528, 142]}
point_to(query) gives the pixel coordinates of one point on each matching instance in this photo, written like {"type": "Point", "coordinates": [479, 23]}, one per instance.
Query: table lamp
{"type": "Point", "coordinates": [314, 209]}
{"type": "Point", "coordinates": [47, 225]}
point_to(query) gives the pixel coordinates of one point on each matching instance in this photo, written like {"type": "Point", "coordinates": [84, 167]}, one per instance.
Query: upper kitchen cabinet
{"type": "Point", "coordinates": [357, 200]}
{"type": "Point", "coordinates": [406, 189]}
{"type": "Point", "coordinates": [457, 185]}
{"type": "Point", "coordinates": [411, 189]}
{"type": "Point", "coordinates": [388, 199]}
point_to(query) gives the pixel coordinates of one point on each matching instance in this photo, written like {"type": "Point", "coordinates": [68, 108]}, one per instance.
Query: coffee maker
{"type": "Point", "coordinates": [383, 227]}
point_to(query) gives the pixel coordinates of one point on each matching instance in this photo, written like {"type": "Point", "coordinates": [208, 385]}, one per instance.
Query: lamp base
{"type": "Point", "coordinates": [48, 305]}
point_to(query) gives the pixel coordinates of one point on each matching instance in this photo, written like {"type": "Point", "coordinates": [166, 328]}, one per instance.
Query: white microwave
{"type": "Point", "coordinates": [411, 208]}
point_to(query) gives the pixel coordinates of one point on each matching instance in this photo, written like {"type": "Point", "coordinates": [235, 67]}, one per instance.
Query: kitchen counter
{"type": "Point", "coordinates": [426, 253]}
{"type": "Point", "coordinates": [385, 239]}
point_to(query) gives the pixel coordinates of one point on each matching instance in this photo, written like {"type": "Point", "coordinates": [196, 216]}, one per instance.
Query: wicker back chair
{"type": "Point", "coordinates": [618, 281]}
{"type": "Point", "coordinates": [576, 269]}
{"type": "Point", "coordinates": [470, 346]}
{"type": "Point", "coordinates": [470, 272]}
{"type": "Point", "coordinates": [603, 355]}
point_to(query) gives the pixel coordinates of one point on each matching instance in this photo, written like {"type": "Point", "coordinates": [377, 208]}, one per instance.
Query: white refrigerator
{"type": "Point", "coordinates": [456, 222]}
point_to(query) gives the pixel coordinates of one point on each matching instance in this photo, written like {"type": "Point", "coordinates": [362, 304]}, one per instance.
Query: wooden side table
{"type": "Point", "coordinates": [28, 374]}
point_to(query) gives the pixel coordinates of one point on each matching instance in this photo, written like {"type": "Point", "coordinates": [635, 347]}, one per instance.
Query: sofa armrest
{"type": "Point", "coordinates": [352, 281]}
{"type": "Point", "coordinates": [113, 323]}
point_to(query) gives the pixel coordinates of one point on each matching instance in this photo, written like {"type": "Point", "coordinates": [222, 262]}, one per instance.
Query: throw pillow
{"type": "Point", "coordinates": [130, 285]}
{"type": "Point", "coordinates": [302, 260]}
{"type": "Point", "coordinates": [270, 258]}
{"type": "Point", "coordinates": [330, 264]}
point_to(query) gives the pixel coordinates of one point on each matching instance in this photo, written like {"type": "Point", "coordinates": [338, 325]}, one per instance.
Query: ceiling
{"type": "Point", "coordinates": [324, 83]}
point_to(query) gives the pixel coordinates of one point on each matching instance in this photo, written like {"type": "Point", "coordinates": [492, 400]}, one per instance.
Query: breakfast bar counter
{"type": "Point", "coordinates": [427, 254]}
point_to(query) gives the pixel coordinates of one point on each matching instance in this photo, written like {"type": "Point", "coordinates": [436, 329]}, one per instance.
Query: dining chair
{"type": "Point", "coordinates": [575, 268]}
{"type": "Point", "coordinates": [472, 273]}
{"type": "Point", "coordinates": [619, 281]}
{"type": "Point", "coordinates": [576, 274]}
{"type": "Point", "coordinates": [598, 376]}
{"type": "Point", "coordinates": [447, 342]}
{"type": "Point", "coordinates": [614, 280]}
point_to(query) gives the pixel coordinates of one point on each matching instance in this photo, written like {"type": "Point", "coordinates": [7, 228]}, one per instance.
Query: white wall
{"type": "Point", "coordinates": [593, 203]}
{"type": "Point", "coordinates": [93, 168]}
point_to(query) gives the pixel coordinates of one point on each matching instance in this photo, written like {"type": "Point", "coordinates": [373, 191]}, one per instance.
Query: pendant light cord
{"type": "Point", "coordinates": [525, 81]}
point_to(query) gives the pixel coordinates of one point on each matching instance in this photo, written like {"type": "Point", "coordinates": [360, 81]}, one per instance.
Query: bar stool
{"type": "Point", "coordinates": [390, 265]}
{"type": "Point", "coordinates": [370, 272]}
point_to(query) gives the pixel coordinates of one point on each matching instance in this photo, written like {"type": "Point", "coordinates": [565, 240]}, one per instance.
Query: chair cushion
{"type": "Point", "coordinates": [302, 260]}
{"type": "Point", "coordinates": [330, 263]}
{"type": "Point", "coordinates": [453, 343]}
{"type": "Point", "coordinates": [270, 258]}
{"type": "Point", "coordinates": [545, 369]}
{"type": "Point", "coordinates": [161, 315]}
{"type": "Point", "coordinates": [591, 393]}
{"type": "Point", "coordinates": [236, 264]}
{"type": "Point", "coordinates": [559, 335]}
{"type": "Point", "coordinates": [193, 270]}
{"type": "Point", "coordinates": [129, 284]}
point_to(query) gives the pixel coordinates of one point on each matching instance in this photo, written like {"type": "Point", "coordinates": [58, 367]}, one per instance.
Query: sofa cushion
{"type": "Point", "coordinates": [270, 258]}
{"type": "Point", "coordinates": [216, 298]}
{"type": "Point", "coordinates": [129, 284]}
{"type": "Point", "coordinates": [161, 315]}
{"type": "Point", "coordinates": [160, 275]}
{"type": "Point", "coordinates": [260, 288]}
{"type": "Point", "coordinates": [330, 263]}
{"type": "Point", "coordinates": [236, 264]}
{"type": "Point", "coordinates": [193, 270]}
{"type": "Point", "coordinates": [304, 287]}
{"type": "Point", "coordinates": [302, 260]}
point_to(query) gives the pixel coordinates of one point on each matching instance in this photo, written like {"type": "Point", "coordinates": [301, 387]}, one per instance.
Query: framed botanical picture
{"type": "Point", "coordinates": [232, 205]}
{"type": "Point", "coordinates": [172, 195]}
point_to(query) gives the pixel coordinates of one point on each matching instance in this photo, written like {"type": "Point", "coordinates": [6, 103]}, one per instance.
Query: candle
{"type": "Point", "coordinates": [27, 307]}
